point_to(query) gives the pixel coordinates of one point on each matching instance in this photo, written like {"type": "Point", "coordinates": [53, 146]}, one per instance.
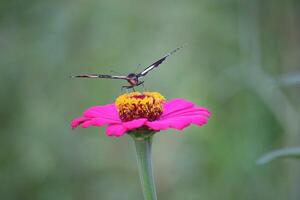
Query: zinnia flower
{"type": "Point", "coordinates": [148, 111]}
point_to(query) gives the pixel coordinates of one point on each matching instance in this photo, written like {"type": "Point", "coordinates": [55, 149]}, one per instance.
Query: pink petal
{"type": "Point", "coordinates": [120, 129]}
{"type": "Point", "coordinates": [158, 125]}
{"type": "Point", "coordinates": [137, 123]}
{"type": "Point", "coordinates": [179, 114]}
{"type": "Point", "coordinates": [178, 123]}
{"type": "Point", "coordinates": [187, 112]}
{"type": "Point", "coordinates": [176, 105]}
{"type": "Point", "coordinates": [77, 121]}
{"type": "Point", "coordinates": [169, 123]}
{"type": "Point", "coordinates": [115, 130]}
{"type": "Point", "coordinates": [180, 107]}
{"type": "Point", "coordinates": [97, 116]}
{"type": "Point", "coordinates": [108, 112]}
{"type": "Point", "coordinates": [97, 122]}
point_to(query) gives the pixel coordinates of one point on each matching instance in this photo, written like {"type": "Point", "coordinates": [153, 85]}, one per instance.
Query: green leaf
{"type": "Point", "coordinates": [281, 153]}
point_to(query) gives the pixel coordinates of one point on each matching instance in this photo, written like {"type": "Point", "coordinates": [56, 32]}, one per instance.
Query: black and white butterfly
{"type": "Point", "coordinates": [133, 78]}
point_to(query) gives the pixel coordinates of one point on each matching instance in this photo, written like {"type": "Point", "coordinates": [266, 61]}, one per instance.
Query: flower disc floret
{"type": "Point", "coordinates": [138, 105]}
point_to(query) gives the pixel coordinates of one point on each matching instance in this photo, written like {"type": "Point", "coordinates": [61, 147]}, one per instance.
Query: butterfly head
{"type": "Point", "coordinates": [133, 79]}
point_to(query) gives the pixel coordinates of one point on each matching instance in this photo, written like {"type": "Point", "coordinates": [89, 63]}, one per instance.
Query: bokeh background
{"type": "Point", "coordinates": [242, 61]}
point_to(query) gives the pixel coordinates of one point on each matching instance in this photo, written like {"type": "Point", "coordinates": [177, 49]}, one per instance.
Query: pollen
{"type": "Point", "coordinates": [138, 105]}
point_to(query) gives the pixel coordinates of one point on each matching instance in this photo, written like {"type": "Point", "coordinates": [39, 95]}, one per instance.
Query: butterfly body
{"type": "Point", "coordinates": [133, 79]}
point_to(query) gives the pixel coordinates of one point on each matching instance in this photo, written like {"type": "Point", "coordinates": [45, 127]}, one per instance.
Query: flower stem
{"type": "Point", "coordinates": [143, 146]}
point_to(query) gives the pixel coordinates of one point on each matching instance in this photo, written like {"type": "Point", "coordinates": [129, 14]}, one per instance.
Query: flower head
{"type": "Point", "coordinates": [147, 111]}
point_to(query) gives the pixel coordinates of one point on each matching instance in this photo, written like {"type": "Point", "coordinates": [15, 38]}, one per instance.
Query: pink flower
{"type": "Point", "coordinates": [147, 110]}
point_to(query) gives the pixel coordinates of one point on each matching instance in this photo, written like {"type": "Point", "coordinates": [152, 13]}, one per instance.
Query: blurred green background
{"type": "Point", "coordinates": [242, 61]}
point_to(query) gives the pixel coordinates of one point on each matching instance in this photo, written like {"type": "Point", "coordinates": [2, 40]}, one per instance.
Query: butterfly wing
{"type": "Point", "coordinates": [157, 63]}
{"type": "Point", "coordinates": [99, 76]}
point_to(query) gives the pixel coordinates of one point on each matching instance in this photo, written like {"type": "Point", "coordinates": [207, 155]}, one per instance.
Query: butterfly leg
{"type": "Point", "coordinates": [122, 88]}
{"type": "Point", "coordinates": [127, 87]}
{"type": "Point", "coordinates": [141, 83]}
{"type": "Point", "coordinates": [132, 86]}
{"type": "Point", "coordinates": [145, 89]}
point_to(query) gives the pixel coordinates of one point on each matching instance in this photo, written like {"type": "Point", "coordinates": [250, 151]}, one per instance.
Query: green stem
{"type": "Point", "coordinates": [143, 146]}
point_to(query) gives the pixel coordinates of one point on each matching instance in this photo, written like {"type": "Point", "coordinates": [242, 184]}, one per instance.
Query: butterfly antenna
{"type": "Point", "coordinates": [137, 68]}
{"type": "Point", "coordinates": [175, 50]}
{"type": "Point", "coordinates": [117, 73]}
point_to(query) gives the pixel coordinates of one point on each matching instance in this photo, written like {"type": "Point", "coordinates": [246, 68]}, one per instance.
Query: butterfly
{"type": "Point", "coordinates": [134, 79]}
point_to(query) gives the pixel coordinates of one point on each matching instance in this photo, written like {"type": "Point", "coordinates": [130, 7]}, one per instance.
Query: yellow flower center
{"type": "Point", "coordinates": [137, 105]}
